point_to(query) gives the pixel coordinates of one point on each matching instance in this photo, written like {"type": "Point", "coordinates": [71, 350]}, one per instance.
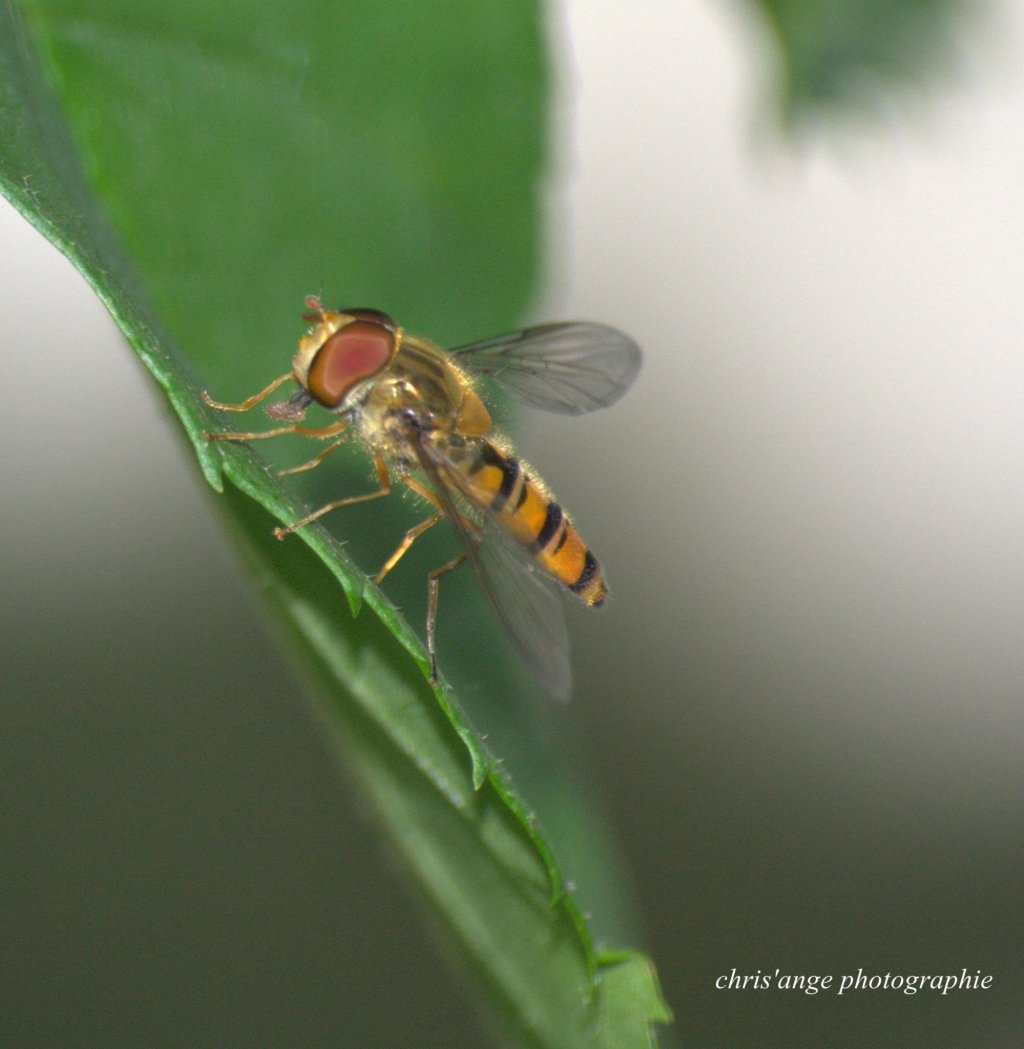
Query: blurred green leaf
{"type": "Point", "coordinates": [854, 54]}
{"type": "Point", "coordinates": [223, 161]}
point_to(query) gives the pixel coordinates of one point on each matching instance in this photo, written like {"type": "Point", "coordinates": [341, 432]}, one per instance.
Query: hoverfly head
{"type": "Point", "coordinates": [342, 350]}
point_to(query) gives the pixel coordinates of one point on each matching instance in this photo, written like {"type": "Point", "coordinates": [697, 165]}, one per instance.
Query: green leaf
{"type": "Point", "coordinates": [855, 53]}
{"type": "Point", "coordinates": [205, 167]}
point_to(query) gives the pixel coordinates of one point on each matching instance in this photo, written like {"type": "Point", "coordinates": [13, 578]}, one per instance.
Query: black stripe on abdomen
{"type": "Point", "coordinates": [487, 455]}
{"type": "Point", "coordinates": [552, 520]}
{"type": "Point", "coordinates": [523, 491]}
{"type": "Point", "coordinates": [587, 575]}
{"type": "Point", "coordinates": [510, 471]}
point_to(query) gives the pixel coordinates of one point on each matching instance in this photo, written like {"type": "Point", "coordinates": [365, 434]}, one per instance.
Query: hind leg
{"type": "Point", "coordinates": [433, 586]}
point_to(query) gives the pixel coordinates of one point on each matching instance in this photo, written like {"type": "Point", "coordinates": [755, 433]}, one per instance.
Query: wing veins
{"type": "Point", "coordinates": [548, 661]}
{"type": "Point", "coordinates": [566, 368]}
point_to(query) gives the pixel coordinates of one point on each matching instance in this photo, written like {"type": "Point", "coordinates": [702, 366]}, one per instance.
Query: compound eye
{"type": "Point", "coordinates": [364, 313]}
{"type": "Point", "coordinates": [355, 353]}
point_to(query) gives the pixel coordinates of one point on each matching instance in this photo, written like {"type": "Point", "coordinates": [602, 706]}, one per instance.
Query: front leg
{"type": "Point", "coordinates": [321, 433]}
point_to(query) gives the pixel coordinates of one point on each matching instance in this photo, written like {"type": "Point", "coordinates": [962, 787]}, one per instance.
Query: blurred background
{"type": "Point", "coordinates": [802, 705]}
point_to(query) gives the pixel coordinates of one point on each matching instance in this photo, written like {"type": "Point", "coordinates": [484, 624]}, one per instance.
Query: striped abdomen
{"type": "Point", "coordinates": [496, 481]}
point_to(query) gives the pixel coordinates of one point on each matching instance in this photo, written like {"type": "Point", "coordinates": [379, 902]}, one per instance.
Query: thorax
{"type": "Point", "coordinates": [422, 388]}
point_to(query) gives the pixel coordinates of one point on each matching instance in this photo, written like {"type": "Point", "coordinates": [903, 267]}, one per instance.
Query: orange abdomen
{"type": "Point", "coordinates": [497, 482]}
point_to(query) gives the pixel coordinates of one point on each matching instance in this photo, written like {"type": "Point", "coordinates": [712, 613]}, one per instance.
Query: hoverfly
{"type": "Point", "coordinates": [416, 408]}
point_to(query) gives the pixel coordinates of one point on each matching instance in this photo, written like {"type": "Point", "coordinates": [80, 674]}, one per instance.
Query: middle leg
{"type": "Point", "coordinates": [410, 537]}
{"type": "Point", "coordinates": [383, 475]}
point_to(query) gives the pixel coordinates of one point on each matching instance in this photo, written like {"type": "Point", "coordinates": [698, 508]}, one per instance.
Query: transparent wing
{"type": "Point", "coordinates": [567, 368]}
{"type": "Point", "coordinates": [529, 606]}
{"type": "Point", "coordinates": [525, 600]}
